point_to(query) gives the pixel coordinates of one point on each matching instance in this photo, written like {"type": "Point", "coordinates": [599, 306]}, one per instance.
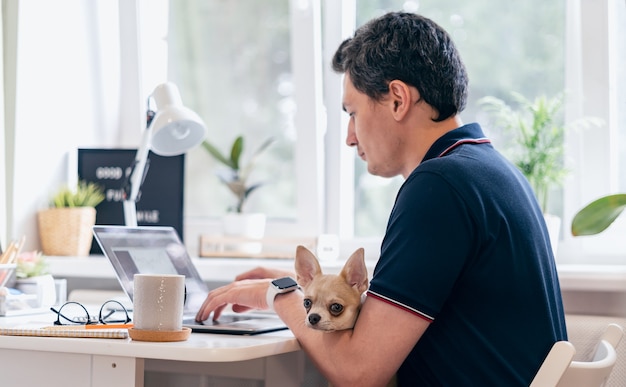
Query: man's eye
{"type": "Point", "coordinates": [307, 304]}
{"type": "Point", "coordinates": [336, 309]}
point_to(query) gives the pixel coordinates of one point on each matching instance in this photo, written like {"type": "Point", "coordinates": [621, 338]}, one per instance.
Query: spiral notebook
{"type": "Point", "coordinates": [26, 330]}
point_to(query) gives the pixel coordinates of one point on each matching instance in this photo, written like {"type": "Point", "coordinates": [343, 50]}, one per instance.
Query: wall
{"type": "Point", "coordinates": [67, 92]}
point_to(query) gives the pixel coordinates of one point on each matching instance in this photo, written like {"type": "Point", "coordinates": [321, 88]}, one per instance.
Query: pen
{"type": "Point", "coordinates": [88, 326]}
{"type": "Point", "coordinates": [12, 251]}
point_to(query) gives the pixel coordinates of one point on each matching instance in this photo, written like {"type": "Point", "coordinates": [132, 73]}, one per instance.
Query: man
{"type": "Point", "coordinates": [465, 292]}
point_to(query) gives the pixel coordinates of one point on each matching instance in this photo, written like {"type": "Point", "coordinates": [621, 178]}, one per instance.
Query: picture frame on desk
{"type": "Point", "coordinates": [161, 194]}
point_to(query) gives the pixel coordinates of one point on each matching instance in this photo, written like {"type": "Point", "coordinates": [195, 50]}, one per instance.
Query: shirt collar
{"type": "Point", "coordinates": [467, 133]}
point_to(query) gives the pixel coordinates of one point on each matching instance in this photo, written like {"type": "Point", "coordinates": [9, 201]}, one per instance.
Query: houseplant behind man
{"type": "Point", "coordinates": [465, 292]}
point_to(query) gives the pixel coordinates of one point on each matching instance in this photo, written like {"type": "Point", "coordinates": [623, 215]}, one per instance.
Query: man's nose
{"type": "Point", "coordinates": [351, 136]}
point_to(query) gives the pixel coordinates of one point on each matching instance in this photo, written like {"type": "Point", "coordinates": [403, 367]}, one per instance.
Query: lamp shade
{"type": "Point", "coordinates": [175, 128]}
{"type": "Point", "coordinates": [173, 131]}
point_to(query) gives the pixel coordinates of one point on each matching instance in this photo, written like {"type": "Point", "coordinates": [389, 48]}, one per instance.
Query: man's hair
{"type": "Point", "coordinates": [412, 49]}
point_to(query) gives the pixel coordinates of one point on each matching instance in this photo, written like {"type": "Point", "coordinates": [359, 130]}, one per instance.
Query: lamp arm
{"type": "Point", "coordinates": [137, 175]}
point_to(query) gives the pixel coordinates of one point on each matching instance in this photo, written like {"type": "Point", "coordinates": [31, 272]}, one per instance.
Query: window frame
{"type": "Point", "coordinates": [137, 20]}
{"type": "Point", "coordinates": [593, 154]}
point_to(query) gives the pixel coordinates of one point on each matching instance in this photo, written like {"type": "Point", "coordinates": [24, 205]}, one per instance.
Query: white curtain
{"type": "Point", "coordinates": [68, 96]}
{"type": "Point", "coordinates": [3, 163]}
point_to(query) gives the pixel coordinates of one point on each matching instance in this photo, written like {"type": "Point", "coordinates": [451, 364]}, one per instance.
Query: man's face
{"type": "Point", "coordinates": [371, 131]}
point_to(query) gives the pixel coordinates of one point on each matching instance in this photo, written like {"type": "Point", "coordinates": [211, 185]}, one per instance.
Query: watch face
{"type": "Point", "coordinates": [284, 283]}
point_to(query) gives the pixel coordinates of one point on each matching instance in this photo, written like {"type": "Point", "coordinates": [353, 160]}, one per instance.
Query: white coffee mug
{"type": "Point", "coordinates": [158, 301]}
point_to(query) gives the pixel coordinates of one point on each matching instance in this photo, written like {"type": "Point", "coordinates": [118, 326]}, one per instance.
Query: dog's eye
{"type": "Point", "coordinates": [336, 309]}
{"type": "Point", "coordinates": [307, 304]}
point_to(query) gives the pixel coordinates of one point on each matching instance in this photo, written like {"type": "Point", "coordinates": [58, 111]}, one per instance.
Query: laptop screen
{"type": "Point", "coordinates": [150, 250]}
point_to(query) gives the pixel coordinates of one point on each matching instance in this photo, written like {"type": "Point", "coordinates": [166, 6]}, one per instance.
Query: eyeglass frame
{"type": "Point", "coordinates": [89, 320]}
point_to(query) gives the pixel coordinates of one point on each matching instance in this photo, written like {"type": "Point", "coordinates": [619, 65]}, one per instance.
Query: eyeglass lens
{"type": "Point", "coordinates": [73, 313]}
{"type": "Point", "coordinates": [113, 312]}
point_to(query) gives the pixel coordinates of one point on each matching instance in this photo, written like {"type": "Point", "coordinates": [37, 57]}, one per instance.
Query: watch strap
{"type": "Point", "coordinates": [273, 291]}
{"type": "Point", "coordinates": [270, 295]}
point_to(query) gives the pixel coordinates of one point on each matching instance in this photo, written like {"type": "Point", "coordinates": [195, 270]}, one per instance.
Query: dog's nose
{"type": "Point", "coordinates": [314, 318]}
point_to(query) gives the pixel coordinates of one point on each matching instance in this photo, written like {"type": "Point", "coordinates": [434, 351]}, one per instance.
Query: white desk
{"type": "Point", "coordinates": [274, 358]}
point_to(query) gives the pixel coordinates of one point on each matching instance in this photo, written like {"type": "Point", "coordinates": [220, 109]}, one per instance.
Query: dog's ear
{"type": "Point", "coordinates": [355, 271]}
{"type": "Point", "coordinates": [306, 266]}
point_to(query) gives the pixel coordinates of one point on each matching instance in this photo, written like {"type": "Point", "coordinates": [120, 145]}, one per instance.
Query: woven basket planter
{"type": "Point", "coordinates": [66, 231]}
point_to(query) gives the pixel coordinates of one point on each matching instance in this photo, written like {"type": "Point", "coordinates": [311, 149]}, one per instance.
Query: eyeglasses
{"type": "Point", "coordinates": [79, 315]}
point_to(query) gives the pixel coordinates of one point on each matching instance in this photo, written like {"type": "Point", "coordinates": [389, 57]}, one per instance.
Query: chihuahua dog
{"type": "Point", "coordinates": [332, 302]}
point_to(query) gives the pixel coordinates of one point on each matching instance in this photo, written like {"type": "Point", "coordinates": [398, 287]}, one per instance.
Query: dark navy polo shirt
{"type": "Point", "coordinates": [467, 249]}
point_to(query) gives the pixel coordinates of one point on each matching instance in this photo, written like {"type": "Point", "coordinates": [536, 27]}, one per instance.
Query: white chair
{"type": "Point", "coordinates": [595, 371]}
{"type": "Point", "coordinates": [585, 331]}
{"type": "Point", "coordinates": [559, 370]}
{"type": "Point", "coordinates": [554, 365]}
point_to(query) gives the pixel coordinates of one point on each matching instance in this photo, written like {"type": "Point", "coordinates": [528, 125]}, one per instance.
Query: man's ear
{"type": "Point", "coordinates": [401, 98]}
{"type": "Point", "coordinates": [306, 266]}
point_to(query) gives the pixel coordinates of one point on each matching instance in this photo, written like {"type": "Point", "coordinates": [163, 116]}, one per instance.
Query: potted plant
{"type": "Point", "coordinates": [33, 277]}
{"type": "Point", "coordinates": [31, 264]}
{"type": "Point", "coordinates": [538, 136]}
{"type": "Point", "coordinates": [235, 175]}
{"type": "Point", "coordinates": [65, 228]}
{"type": "Point", "coordinates": [538, 132]}
{"type": "Point", "coordinates": [598, 215]}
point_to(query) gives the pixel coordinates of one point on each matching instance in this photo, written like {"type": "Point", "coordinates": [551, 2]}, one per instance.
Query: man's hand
{"type": "Point", "coordinates": [247, 292]}
{"type": "Point", "coordinates": [242, 295]}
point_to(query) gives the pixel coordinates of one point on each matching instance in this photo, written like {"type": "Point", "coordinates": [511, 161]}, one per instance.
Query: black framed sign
{"type": "Point", "coordinates": [161, 194]}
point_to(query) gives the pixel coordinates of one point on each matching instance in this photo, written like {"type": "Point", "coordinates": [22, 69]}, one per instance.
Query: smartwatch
{"type": "Point", "coordinates": [280, 286]}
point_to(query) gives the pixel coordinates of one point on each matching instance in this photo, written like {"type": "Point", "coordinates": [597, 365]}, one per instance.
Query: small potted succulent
{"type": "Point", "coordinates": [31, 264]}
{"type": "Point", "coordinates": [33, 277]}
{"type": "Point", "coordinates": [65, 228]}
{"type": "Point", "coordinates": [235, 175]}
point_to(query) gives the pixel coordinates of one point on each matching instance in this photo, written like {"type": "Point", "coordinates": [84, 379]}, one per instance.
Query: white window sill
{"type": "Point", "coordinates": [611, 278]}
{"type": "Point", "coordinates": [573, 277]}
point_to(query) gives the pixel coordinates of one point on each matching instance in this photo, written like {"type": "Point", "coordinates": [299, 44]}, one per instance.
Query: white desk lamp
{"type": "Point", "coordinates": [172, 131]}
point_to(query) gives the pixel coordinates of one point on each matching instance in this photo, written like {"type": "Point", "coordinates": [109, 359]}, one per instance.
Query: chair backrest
{"type": "Point", "coordinates": [586, 331]}
{"type": "Point", "coordinates": [554, 365]}
{"type": "Point", "coordinates": [596, 371]}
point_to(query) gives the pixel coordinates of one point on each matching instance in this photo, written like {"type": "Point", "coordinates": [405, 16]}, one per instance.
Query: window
{"type": "Point", "coordinates": [249, 68]}
{"type": "Point", "coordinates": [232, 62]}
{"type": "Point", "coordinates": [246, 68]}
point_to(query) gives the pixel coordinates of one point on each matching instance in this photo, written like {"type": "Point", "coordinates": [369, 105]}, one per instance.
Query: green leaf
{"type": "Point", "coordinates": [217, 154]}
{"type": "Point", "coordinates": [263, 146]}
{"type": "Point", "coordinates": [84, 195]}
{"type": "Point", "coordinates": [235, 152]}
{"type": "Point", "coordinates": [598, 215]}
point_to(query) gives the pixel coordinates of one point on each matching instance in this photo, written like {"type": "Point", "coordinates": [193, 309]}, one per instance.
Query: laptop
{"type": "Point", "coordinates": [159, 250]}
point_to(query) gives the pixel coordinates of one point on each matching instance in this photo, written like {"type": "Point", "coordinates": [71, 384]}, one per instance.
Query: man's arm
{"type": "Point", "coordinates": [368, 355]}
